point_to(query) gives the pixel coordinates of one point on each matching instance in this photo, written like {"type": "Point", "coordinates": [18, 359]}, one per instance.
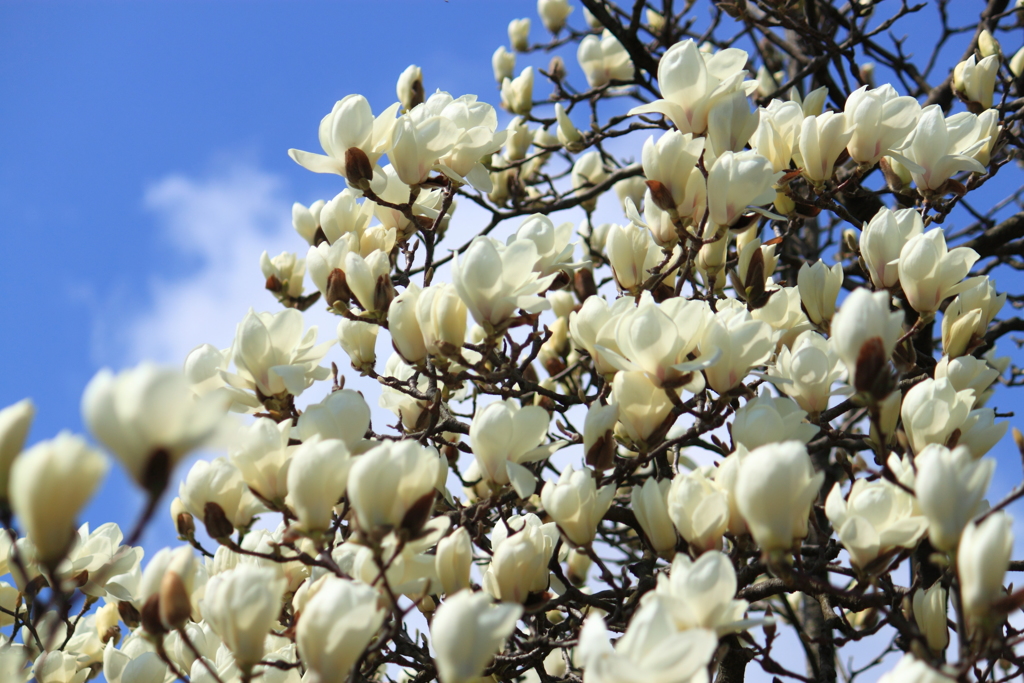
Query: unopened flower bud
{"type": "Point", "coordinates": [504, 64]}
{"type": "Point", "coordinates": [988, 45]}
{"type": "Point", "coordinates": [519, 34]}
{"type": "Point", "coordinates": [410, 87]}
{"type": "Point", "coordinates": [453, 560]}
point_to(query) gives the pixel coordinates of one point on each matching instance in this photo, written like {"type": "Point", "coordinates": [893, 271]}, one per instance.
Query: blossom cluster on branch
{"type": "Point", "coordinates": [631, 451]}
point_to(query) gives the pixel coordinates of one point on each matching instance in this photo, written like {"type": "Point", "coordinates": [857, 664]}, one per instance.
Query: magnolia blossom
{"type": "Point", "coordinates": [554, 13]}
{"type": "Point", "coordinates": [981, 561]}
{"type": "Point", "coordinates": [317, 478]}
{"type": "Point", "coordinates": [274, 356]}
{"type": "Point", "coordinates": [950, 488]}
{"type": "Point", "coordinates": [768, 419]}
{"type": "Point", "coordinates": [519, 565]}
{"type": "Point", "coordinates": [494, 280]}
{"type": "Point", "coordinates": [631, 254]}
{"type": "Point", "coordinates": [651, 651]}
{"type": "Point", "coordinates": [342, 415]}
{"type": "Point", "coordinates": [649, 503]}
{"type": "Point", "coordinates": [336, 625]}
{"type": "Point", "coordinates": [882, 240]}
{"type": "Point", "coordinates": [671, 166]}
{"type": "Point", "coordinates": [587, 173]}
{"type": "Point", "coordinates": [692, 82]}
{"type": "Point", "coordinates": [149, 419]}
{"type": "Point", "coordinates": [699, 509]}
{"type": "Point", "coordinates": [643, 406]}
{"type": "Point", "coordinates": [700, 594]}
{"type": "Point", "coordinates": [875, 518]}
{"type": "Point", "coordinates": [604, 60]}
{"type": "Point", "coordinates": [504, 437]}
{"type": "Point", "coordinates": [242, 605]}
{"type": "Point", "coordinates": [910, 669]}
{"type": "Point", "coordinates": [215, 492]}
{"type": "Point", "coordinates": [822, 139]}
{"type": "Point", "coordinates": [517, 93]}
{"type": "Point", "coordinates": [417, 143]}
{"type": "Point", "coordinates": [467, 631]}
{"type": "Point", "coordinates": [937, 153]}
{"type": "Point", "coordinates": [975, 80]}
{"type": "Point", "coordinates": [392, 486]}
{"type": "Point", "coordinates": [576, 504]}
{"type": "Point", "coordinates": [50, 483]}
{"type": "Point", "coordinates": [806, 371]}
{"type": "Point", "coordinates": [930, 273]}
{"type": "Point", "coordinates": [353, 141]}
{"type": "Point", "coordinates": [967, 317]}
{"type": "Point", "coordinates": [503, 64]}
{"type": "Point", "coordinates": [864, 335]}
{"type": "Point", "coordinates": [932, 410]}
{"type": "Point", "coordinates": [879, 121]}
{"type": "Point", "coordinates": [775, 489]}
{"type": "Point", "coordinates": [519, 34]}
{"type": "Point", "coordinates": [739, 182]}
{"type": "Point", "coordinates": [742, 342]}
{"type": "Point", "coordinates": [359, 341]}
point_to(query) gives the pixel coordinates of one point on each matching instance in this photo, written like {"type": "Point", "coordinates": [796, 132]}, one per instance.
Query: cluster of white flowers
{"type": "Point", "coordinates": [700, 334]}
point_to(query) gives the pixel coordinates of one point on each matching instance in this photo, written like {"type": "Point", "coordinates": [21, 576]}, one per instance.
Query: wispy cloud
{"type": "Point", "coordinates": [219, 225]}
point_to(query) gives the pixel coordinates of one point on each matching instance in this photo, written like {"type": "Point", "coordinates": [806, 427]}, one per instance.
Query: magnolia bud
{"type": "Point", "coordinates": [184, 523]}
{"type": "Point", "coordinates": [404, 326]}
{"type": "Point", "coordinates": [568, 135]}
{"type": "Point", "coordinates": [864, 334]}
{"type": "Point", "coordinates": [15, 421]}
{"type": "Point", "coordinates": [554, 13]}
{"type": "Point", "coordinates": [49, 485]}
{"type": "Point", "coordinates": [504, 64]}
{"type": "Point", "coordinates": [988, 45]}
{"type": "Point", "coordinates": [982, 560]}
{"type": "Point", "coordinates": [519, 34]}
{"type": "Point", "coordinates": [599, 443]}
{"type": "Point", "coordinates": [650, 505]}
{"type": "Point", "coordinates": [930, 615]}
{"type": "Point", "coordinates": [410, 87]}
{"type": "Point", "coordinates": [577, 567]}
{"type": "Point", "coordinates": [453, 560]}
{"type": "Point", "coordinates": [107, 618]}
{"type": "Point", "coordinates": [392, 487]}
{"type": "Point", "coordinates": [338, 622]}
{"type": "Point", "coordinates": [317, 477]}
{"type": "Point", "coordinates": [819, 286]}
{"type": "Point", "coordinates": [359, 340]}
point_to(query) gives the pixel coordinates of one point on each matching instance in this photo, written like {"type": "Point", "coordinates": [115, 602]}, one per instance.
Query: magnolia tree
{"type": "Point", "coordinates": [757, 401]}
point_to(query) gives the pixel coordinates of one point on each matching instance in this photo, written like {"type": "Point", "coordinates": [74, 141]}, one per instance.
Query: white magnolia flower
{"type": "Point", "coordinates": [15, 421]}
{"type": "Point", "coordinates": [700, 594]}
{"type": "Point", "coordinates": [882, 239]}
{"type": "Point", "coordinates": [504, 437]}
{"type": "Point", "coordinates": [604, 60]}
{"type": "Point", "coordinates": [864, 335]}
{"type": "Point", "coordinates": [467, 631]}
{"type": "Point", "coordinates": [149, 419]}
{"type": "Point", "coordinates": [242, 605]}
{"type": "Point", "coordinates": [50, 483]}
{"type": "Point", "coordinates": [336, 626]}
{"type": "Point", "coordinates": [875, 518]}
{"type": "Point", "coordinates": [519, 565]}
{"type": "Point", "coordinates": [576, 504]}
{"type": "Point", "coordinates": [950, 488]}
{"type": "Point", "coordinates": [494, 280]}
{"type": "Point", "coordinates": [775, 489]}
{"type": "Point", "coordinates": [699, 509]}
{"type": "Point", "coordinates": [929, 273]}
{"type": "Point", "coordinates": [692, 82]}
{"type": "Point", "coordinates": [769, 419]}
{"type": "Point", "coordinates": [353, 141]}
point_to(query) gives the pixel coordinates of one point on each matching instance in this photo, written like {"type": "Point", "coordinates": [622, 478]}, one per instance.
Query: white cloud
{"type": "Point", "coordinates": [222, 224]}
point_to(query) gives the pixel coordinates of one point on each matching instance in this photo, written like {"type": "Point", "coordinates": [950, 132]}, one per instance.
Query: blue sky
{"type": "Point", "coordinates": [143, 168]}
